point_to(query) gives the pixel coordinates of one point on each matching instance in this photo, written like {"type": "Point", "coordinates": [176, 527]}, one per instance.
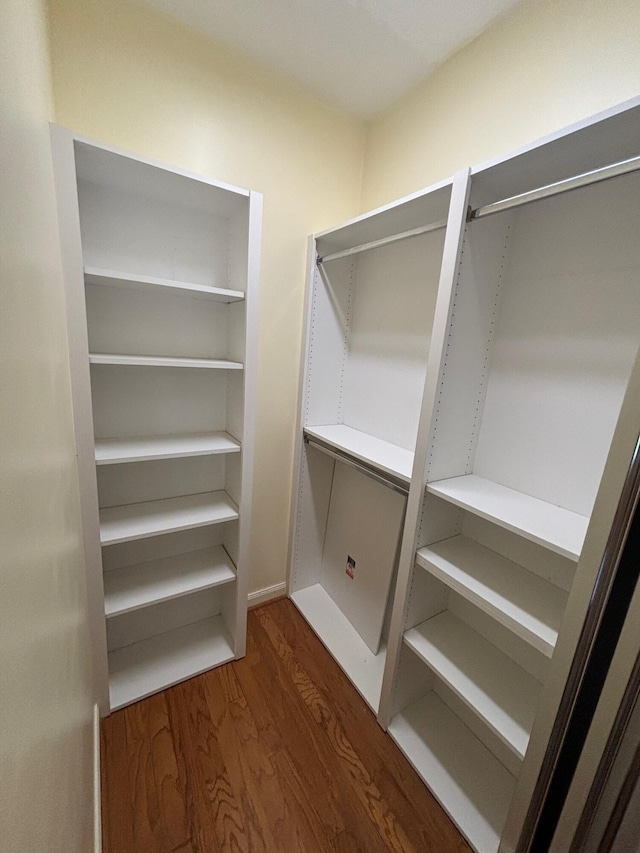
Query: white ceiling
{"type": "Point", "coordinates": [360, 54]}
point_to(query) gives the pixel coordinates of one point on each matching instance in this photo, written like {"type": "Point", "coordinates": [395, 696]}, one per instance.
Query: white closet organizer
{"type": "Point", "coordinates": [540, 339]}
{"type": "Point", "coordinates": [370, 309]}
{"type": "Point", "coordinates": [161, 270]}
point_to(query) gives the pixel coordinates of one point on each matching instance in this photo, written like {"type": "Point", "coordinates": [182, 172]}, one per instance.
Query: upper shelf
{"type": "Point", "coordinates": [163, 361]}
{"type": "Point", "coordinates": [555, 528]}
{"type": "Point", "coordinates": [114, 278]}
{"type": "Point", "coordinates": [111, 451]}
{"type": "Point", "coordinates": [381, 455]}
{"type": "Point", "coordinates": [523, 602]}
{"type": "Point", "coordinates": [153, 518]}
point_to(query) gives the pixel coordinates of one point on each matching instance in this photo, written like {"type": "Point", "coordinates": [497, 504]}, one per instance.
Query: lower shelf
{"type": "Point", "coordinates": [364, 669]}
{"type": "Point", "coordinates": [467, 780]}
{"type": "Point", "coordinates": [151, 665]}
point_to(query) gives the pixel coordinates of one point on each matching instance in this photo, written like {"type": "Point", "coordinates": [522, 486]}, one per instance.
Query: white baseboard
{"type": "Point", "coordinates": [261, 596]}
{"type": "Point", "coordinates": [97, 799]}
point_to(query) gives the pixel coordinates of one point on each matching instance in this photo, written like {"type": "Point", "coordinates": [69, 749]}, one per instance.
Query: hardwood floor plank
{"type": "Point", "coordinates": [275, 752]}
{"type": "Point", "coordinates": [426, 822]}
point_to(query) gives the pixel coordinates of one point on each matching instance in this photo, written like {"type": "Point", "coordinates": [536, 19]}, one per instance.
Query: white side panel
{"type": "Point", "coordinates": [69, 227]}
{"type": "Point", "coordinates": [389, 338]}
{"type": "Point", "coordinates": [468, 346]}
{"type": "Point", "coordinates": [314, 492]}
{"type": "Point", "coordinates": [364, 525]}
{"type": "Point", "coordinates": [566, 339]}
{"type": "Point", "coordinates": [331, 307]}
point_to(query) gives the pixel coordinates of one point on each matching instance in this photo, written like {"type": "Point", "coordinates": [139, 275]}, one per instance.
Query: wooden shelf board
{"type": "Point", "coordinates": [555, 528]}
{"type": "Point", "coordinates": [163, 361]}
{"type": "Point", "coordinates": [364, 669]}
{"type": "Point", "coordinates": [112, 451]}
{"type": "Point", "coordinates": [523, 602]}
{"type": "Point", "coordinates": [385, 457]}
{"type": "Point", "coordinates": [153, 518]}
{"type": "Point", "coordinates": [473, 787]}
{"type": "Point", "coordinates": [115, 278]}
{"type": "Point", "coordinates": [141, 585]}
{"type": "Point", "coordinates": [501, 693]}
{"type": "Point", "coordinates": [152, 665]}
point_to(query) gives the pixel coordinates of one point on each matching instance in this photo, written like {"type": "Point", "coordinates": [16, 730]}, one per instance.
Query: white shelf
{"type": "Point", "coordinates": [466, 779]}
{"type": "Point", "coordinates": [141, 585]}
{"type": "Point", "coordinates": [163, 361]}
{"type": "Point", "coordinates": [151, 665]}
{"type": "Point", "coordinates": [373, 451]}
{"type": "Point", "coordinates": [152, 518]}
{"type": "Point", "coordinates": [502, 694]}
{"type": "Point", "coordinates": [363, 668]}
{"type": "Point", "coordinates": [115, 278]}
{"type": "Point", "coordinates": [555, 528]}
{"type": "Point", "coordinates": [111, 451]}
{"type": "Point", "coordinates": [528, 605]}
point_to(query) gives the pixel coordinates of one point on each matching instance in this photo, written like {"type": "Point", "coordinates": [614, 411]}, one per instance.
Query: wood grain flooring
{"type": "Point", "coordinates": [276, 752]}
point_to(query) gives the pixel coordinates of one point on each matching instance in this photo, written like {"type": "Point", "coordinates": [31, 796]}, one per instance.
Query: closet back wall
{"type": "Point", "coordinates": [128, 76]}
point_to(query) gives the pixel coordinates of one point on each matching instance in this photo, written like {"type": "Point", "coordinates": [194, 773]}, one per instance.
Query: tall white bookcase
{"type": "Point", "coordinates": [529, 341]}
{"type": "Point", "coordinates": [161, 271]}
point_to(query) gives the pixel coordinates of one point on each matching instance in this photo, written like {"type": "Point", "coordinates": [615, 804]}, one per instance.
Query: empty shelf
{"type": "Point", "coordinates": [162, 361]}
{"type": "Point", "coordinates": [110, 451]}
{"type": "Point", "coordinates": [501, 693]}
{"type": "Point", "coordinates": [152, 665]}
{"type": "Point", "coordinates": [133, 587]}
{"type": "Point", "coordinates": [373, 451]}
{"type": "Point", "coordinates": [152, 518]}
{"type": "Point", "coordinates": [555, 528]}
{"type": "Point", "coordinates": [468, 781]}
{"type": "Point", "coordinates": [528, 605]}
{"type": "Point", "coordinates": [114, 278]}
{"type": "Point", "coordinates": [343, 641]}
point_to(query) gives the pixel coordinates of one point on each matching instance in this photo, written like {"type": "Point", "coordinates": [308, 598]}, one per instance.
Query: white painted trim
{"type": "Point", "coordinates": [261, 596]}
{"type": "Point", "coordinates": [97, 792]}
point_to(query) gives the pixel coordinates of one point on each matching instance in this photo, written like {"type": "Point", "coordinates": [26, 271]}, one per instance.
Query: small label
{"type": "Point", "coordinates": [351, 567]}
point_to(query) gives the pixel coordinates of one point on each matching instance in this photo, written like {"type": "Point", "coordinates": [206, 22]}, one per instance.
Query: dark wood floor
{"type": "Point", "coordinates": [276, 752]}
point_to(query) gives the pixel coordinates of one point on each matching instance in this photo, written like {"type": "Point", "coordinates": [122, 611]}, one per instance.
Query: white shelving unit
{"type": "Point", "coordinates": [370, 310]}
{"type": "Point", "coordinates": [527, 375]}
{"type": "Point", "coordinates": [161, 269]}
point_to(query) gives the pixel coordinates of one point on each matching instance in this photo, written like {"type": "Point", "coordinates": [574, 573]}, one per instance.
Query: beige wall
{"type": "Point", "coordinates": [128, 76]}
{"type": "Point", "coordinates": [548, 64]}
{"type": "Point", "coordinates": [45, 695]}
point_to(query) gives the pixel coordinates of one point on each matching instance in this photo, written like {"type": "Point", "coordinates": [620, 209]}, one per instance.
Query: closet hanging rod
{"type": "Point", "coordinates": [383, 241]}
{"type": "Point", "coordinates": [379, 477]}
{"type": "Point", "coordinates": [593, 177]}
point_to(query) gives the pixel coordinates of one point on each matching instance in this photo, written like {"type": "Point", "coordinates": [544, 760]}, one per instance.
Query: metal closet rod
{"type": "Point", "coordinates": [383, 241]}
{"type": "Point", "coordinates": [593, 177]}
{"type": "Point", "coordinates": [379, 477]}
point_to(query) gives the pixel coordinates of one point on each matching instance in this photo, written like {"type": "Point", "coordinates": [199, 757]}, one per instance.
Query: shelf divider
{"type": "Point", "coordinates": [153, 518]}
{"type": "Point", "coordinates": [113, 451]}
{"type": "Point", "coordinates": [163, 361]}
{"type": "Point", "coordinates": [523, 602]}
{"type": "Point", "coordinates": [381, 455]}
{"type": "Point", "coordinates": [156, 663]}
{"type": "Point", "coordinates": [557, 529]}
{"type": "Point", "coordinates": [502, 694]}
{"type": "Point", "coordinates": [115, 278]}
{"type": "Point", "coordinates": [144, 584]}
{"type": "Point", "coordinates": [463, 775]}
